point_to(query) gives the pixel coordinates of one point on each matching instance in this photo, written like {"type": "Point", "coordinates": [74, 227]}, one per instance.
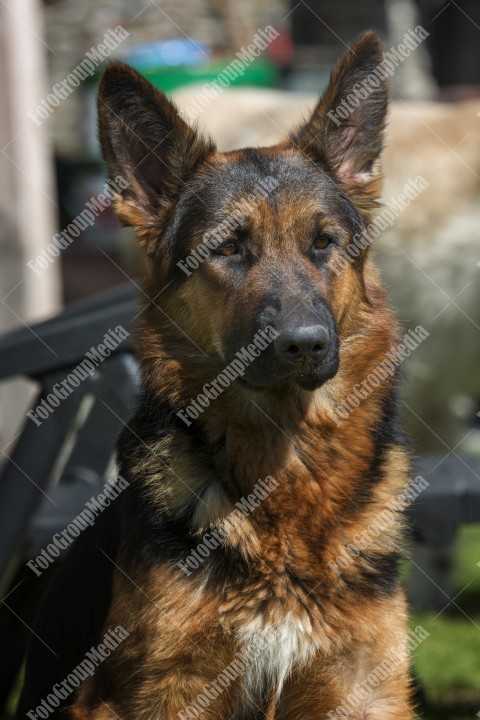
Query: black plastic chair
{"type": "Point", "coordinates": [56, 467]}
{"type": "Point", "coordinates": [33, 479]}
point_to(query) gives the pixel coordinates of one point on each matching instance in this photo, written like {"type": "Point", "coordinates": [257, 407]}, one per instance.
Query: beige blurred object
{"type": "Point", "coordinates": [247, 116]}
{"type": "Point", "coordinates": [27, 196]}
{"type": "Point", "coordinates": [428, 258]}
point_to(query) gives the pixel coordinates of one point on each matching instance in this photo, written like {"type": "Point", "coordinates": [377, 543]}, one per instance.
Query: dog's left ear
{"type": "Point", "coordinates": [345, 130]}
{"type": "Point", "coordinates": [147, 144]}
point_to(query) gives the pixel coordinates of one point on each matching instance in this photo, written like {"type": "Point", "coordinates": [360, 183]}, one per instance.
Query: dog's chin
{"type": "Point", "coordinates": [310, 382]}
{"type": "Point", "coordinates": [314, 376]}
{"type": "Point", "coordinates": [309, 378]}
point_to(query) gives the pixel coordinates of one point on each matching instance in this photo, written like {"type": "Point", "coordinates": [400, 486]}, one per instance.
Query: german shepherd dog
{"type": "Point", "coordinates": [218, 564]}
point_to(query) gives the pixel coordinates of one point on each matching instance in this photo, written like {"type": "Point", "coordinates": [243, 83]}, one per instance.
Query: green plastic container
{"type": "Point", "coordinates": [260, 72]}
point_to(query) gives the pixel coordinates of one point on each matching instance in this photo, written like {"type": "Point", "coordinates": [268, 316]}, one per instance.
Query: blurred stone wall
{"type": "Point", "coordinates": [73, 27]}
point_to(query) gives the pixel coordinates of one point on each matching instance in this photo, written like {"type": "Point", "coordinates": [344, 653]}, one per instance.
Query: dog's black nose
{"type": "Point", "coordinates": [300, 344]}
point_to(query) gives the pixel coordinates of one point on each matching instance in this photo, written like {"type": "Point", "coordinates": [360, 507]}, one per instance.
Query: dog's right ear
{"type": "Point", "coordinates": [147, 144]}
{"type": "Point", "coordinates": [345, 130]}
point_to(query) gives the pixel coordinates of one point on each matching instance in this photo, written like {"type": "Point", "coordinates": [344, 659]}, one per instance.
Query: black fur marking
{"type": "Point", "coordinates": [382, 578]}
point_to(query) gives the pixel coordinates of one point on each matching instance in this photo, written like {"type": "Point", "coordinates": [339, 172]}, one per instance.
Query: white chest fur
{"type": "Point", "coordinates": [272, 650]}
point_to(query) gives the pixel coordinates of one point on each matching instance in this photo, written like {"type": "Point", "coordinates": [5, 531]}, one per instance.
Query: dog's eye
{"type": "Point", "coordinates": [228, 248]}
{"type": "Point", "coordinates": [322, 241]}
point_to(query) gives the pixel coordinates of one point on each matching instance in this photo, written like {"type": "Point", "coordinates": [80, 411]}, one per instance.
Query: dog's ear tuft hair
{"type": "Point", "coordinates": [345, 130]}
{"type": "Point", "coordinates": [147, 144]}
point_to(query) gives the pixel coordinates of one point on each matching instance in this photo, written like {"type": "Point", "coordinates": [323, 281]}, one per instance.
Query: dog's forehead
{"type": "Point", "coordinates": [270, 190]}
{"type": "Point", "coordinates": [285, 171]}
{"type": "Point", "coordinates": [278, 179]}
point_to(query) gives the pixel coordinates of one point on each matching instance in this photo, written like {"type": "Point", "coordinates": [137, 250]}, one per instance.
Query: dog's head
{"type": "Point", "coordinates": [236, 243]}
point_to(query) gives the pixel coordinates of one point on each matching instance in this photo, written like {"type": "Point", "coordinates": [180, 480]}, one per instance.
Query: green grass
{"type": "Point", "coordinates": [447, 663]}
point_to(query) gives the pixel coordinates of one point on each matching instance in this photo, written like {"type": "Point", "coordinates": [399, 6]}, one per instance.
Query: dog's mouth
{"type": "Point", "coordinates": [311, 379]}
{"type": "Point", "coordinates": [309, 376]}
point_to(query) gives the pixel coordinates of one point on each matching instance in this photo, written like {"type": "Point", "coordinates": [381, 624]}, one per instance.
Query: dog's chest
{"type": "Point", "coordinates": [278, 629]}
{"type": "Point", "coordinates": [272, 650]}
